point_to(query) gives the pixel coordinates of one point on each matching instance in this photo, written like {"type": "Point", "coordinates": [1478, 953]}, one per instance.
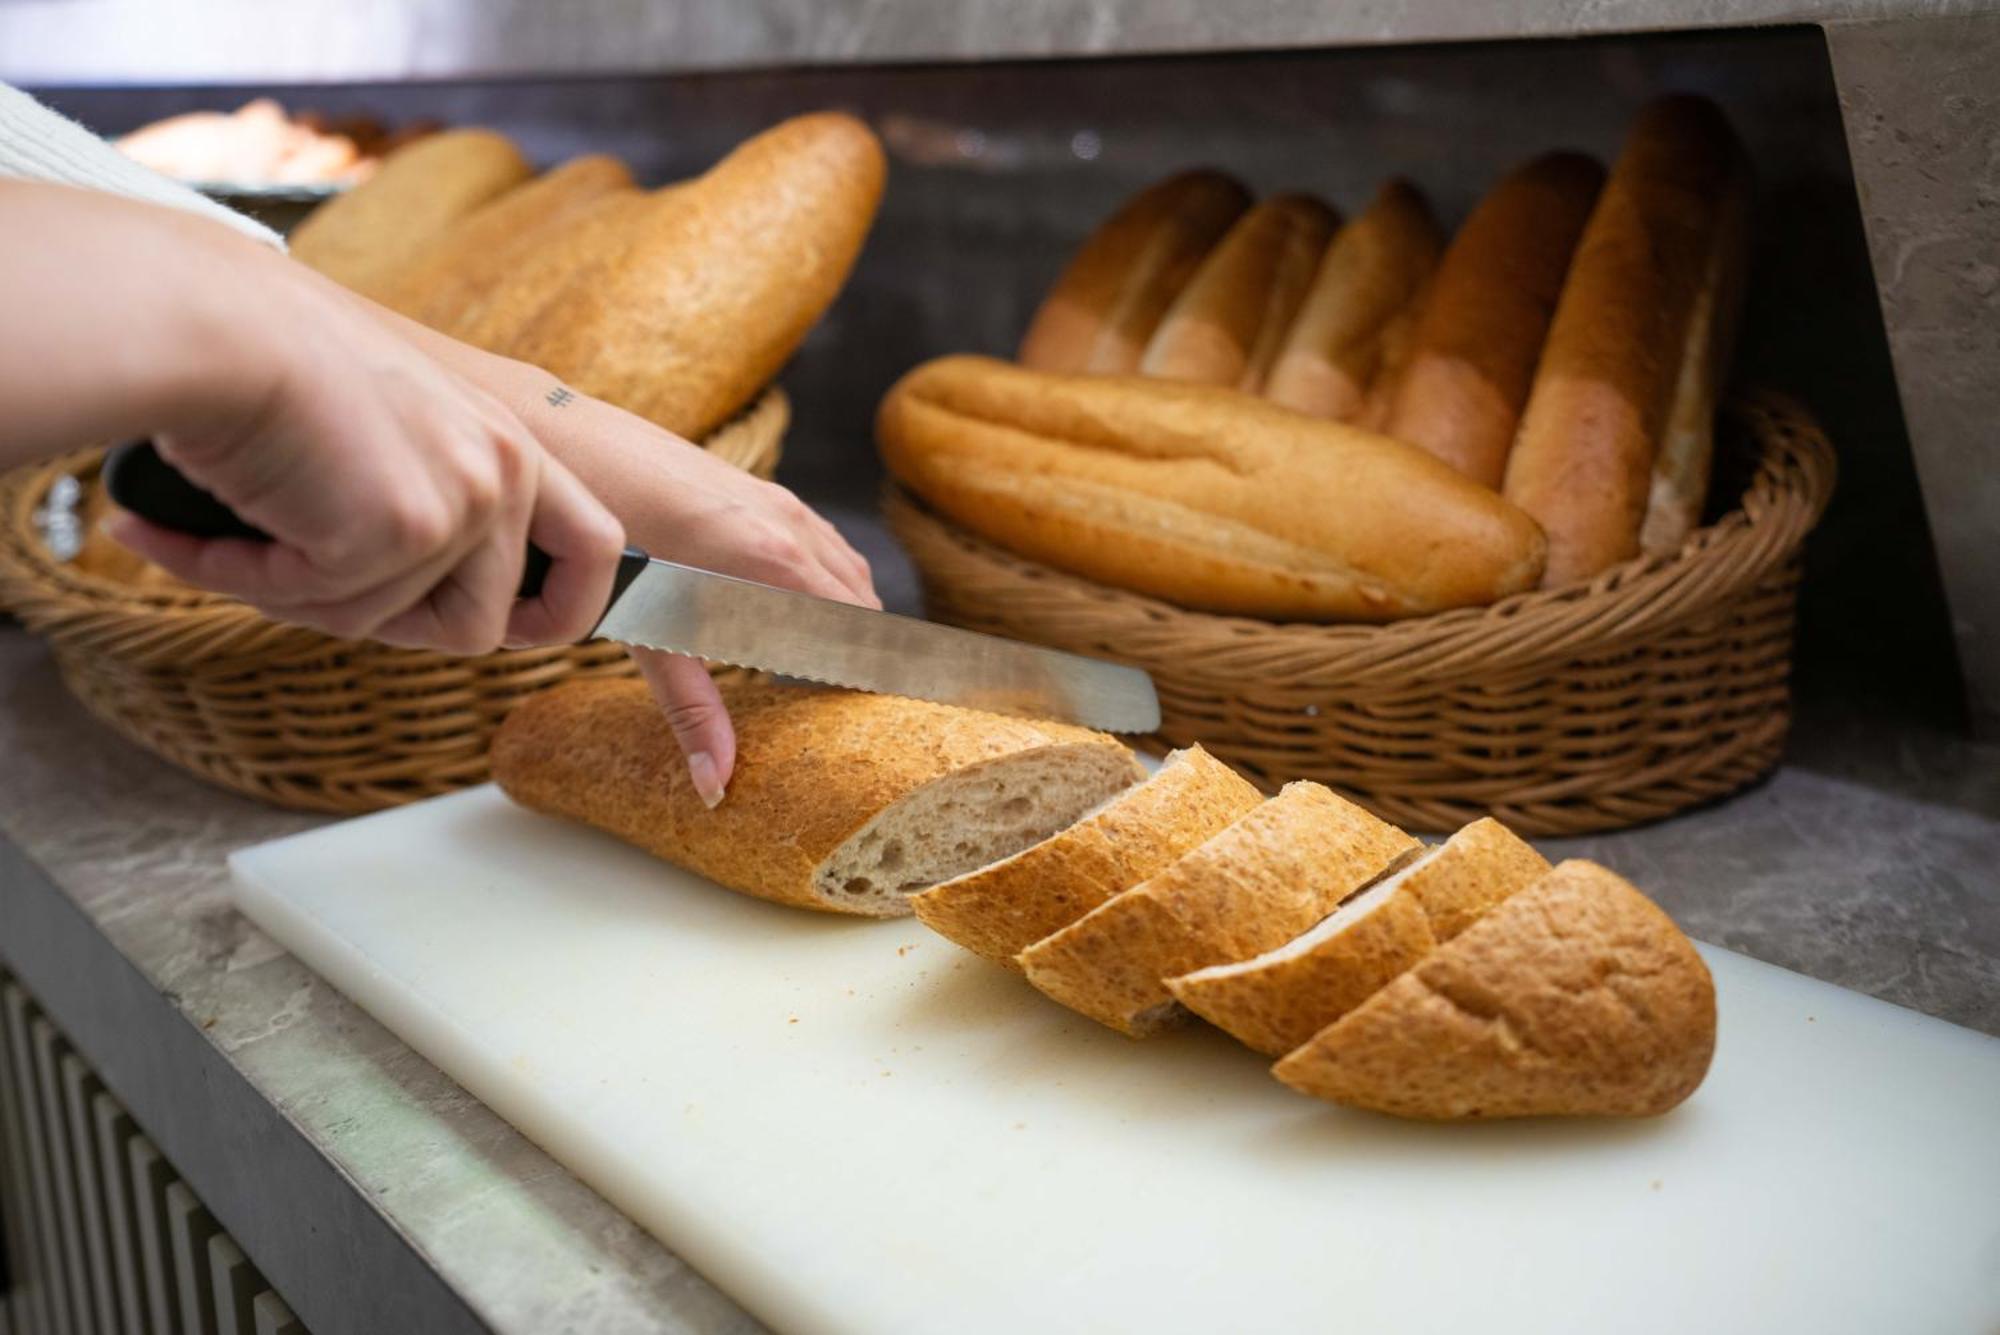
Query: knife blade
{"type": "Point", "coordinates": [660, 604]}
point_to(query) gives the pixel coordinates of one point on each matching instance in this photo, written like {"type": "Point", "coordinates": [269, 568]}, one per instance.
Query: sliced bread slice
{"type": "Point", "coordinates": [1575, 996]}
{"type": "Point", "coordinates": [1283, 997]}
{"type": "Point", "coordinates": [841, 801]}
{"type": "Point", "coordinates": [1258, 882]}
{"type": "Point", "coordinates": [1001, 909]}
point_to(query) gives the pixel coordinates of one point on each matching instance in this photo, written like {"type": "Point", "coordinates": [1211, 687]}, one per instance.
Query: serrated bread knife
{"type": "Point", "coordinates": [661, 605]}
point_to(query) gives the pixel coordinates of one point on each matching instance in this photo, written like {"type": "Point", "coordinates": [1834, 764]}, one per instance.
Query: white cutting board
{"type": "Point", "coordinates": [855, 1126]}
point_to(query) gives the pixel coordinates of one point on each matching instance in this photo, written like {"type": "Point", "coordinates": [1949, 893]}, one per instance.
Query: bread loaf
{"type": "Point", "coordinates": [719, 279]}
{"type": "Point", "coordinates": [1399, 338]}
{"type": "Point", "coordinates": [585, 246]}
{"type": "Point", "coordinates": [1201, 496]}
{"type": "Point", "coordinates": [364, 238]}
{"type": "Point", "coordinates": [1372, 270]}
{"type": "Point", "coordinates": [841, 801]}
{"type": "Point", "coordinates": [1261, 880]}
{"type": "Point", "coordinates": [1583, 462]}
{"type": "Point", "coordinates": [1575, 996]}
{"type": "Point", "coordinates": [1098, 317]}
{"type": "Point", "coordinates": [1473, 353]}
{"type": "Point", "coordinates": [457, 271]}
{"type": "Point", "coordinates": [1276, 1001]}
{"type": "Point", "coordinates": [1227, 324]}
{"type": "Point", "coordinates": [1681, 465]}
{"type": "Point", "coordinates": [1005, 907]}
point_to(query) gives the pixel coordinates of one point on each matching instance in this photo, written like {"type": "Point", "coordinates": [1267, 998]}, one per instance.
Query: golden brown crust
{"type": "Point", "coordinates": [455, 273]}
{"type": "Point", "coordinates": [1575, 997]}
{"type": "Point", "coordinates": [1227, 324]}
{"type": "Point", "coordinates": [1473, 353]}
{"type": "Point", "coordinates": [1260, 881]}
{"type": "Point", "coordinates": [1000, 910]}
{"type": "Point", "coordinates": [365, 237]}
{"type": "Point", "coordinates": [1278, 1000]}
{"type": "Point", "coordinates": [720, 278]}
{"type": "Point", "coordinates": [1202, 496]}
{"type": "Point", "coordinates": [1373, 268]}
{"type": "Point", "coordinates": [1582, 464]}
{"type": "Point", "coordinates": [1097, 318]}
{"type": "Point", "coordinates": [585, 247]}
{"type": "Point", "coordinates": [812, 768]}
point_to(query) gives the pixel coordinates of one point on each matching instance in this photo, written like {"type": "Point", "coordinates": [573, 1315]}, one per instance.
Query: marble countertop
{"type": "Point", "coordinates": [113, 41]}
{"type": "Point", "coordinates": [1868, 861]}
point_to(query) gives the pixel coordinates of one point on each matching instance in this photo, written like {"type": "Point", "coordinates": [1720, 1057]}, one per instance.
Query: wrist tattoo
{"type": "Point", "coordinates": [560, 396]}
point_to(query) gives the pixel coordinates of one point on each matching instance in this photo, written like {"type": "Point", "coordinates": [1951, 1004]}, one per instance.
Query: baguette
{"type": "Point", "coordinates": [454, 274]}
{"type": "Point", "coordinates": [1227, 324]}
{"type": "Point", "coordinates": [1203, 496]}
{"type": "Point", "coordinates": [1679, 488]}
{"type": "Point", "coordinates": [1576, 996]}
{"type": "Point", "coordinates": [1005, 907]}
{"type": "Point", "coordinates": [1370, 273]}
{"type": "Point", "coordinates": [364, 238]}
{"type": "Point", "coordinates": [841, 801]}
{"type": "Point", "coordinates": [1399, 337]}
{"type": "Point", "coordinates": [1473, 354]}
{"type": "Point", "coordinates": [1281, 998]}
{"type": "Point", "coordinates": [1583, 462]}
{"type": "Point", "coordinates": [720, 278]}
{"type": "Point", "coordinates": [1100, 314]}
{"type": "Point", "coordinates": [1260, 881]}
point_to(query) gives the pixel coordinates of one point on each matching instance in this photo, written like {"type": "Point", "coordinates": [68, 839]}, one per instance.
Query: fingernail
{"type": "Point", "coordinates": [707, 782]}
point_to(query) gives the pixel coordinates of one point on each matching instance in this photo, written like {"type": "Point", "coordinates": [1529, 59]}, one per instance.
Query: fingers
{"type": "Point", "coordinates": [583, 542]}
{"type": "Point", "coordinates": [694, 709]}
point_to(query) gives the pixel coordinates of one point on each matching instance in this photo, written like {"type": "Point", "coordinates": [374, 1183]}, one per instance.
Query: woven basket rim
{"type": "Point", "coordinates": [187, 626]}
{"type": "Point", "coordinates": [1788, 491]}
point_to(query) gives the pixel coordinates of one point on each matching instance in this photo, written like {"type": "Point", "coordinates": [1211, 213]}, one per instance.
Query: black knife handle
{"type": "Point", "coordinates": [141, 480]}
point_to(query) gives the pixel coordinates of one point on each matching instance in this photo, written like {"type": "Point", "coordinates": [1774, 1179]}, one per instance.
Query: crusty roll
{"type": "Point", "coordinates": [1582, 464]}
{"type": "Point", "coordinates": [1681, 466]}
{"type": "Point", "coordinates": [719, 278]}
{"type": "Point", "coordinates": [1372, 270]}
{"type": "Point", "coordinates": [1275, 1001]}
{"type": "Point", "coordinates": [454, 274]}
{"type": "Point", "coordinates": [1574, 997]}
{"type": "Point", "coordinates": [365, 237]}
{"type": "Point", "coordinates": [1202, 496]}
{"type": "Point", "coordinates": [1227, 324]}
{"type": "Point", "coordinates": [841, 801]}
{"type": "Point", "coordinates": [1098, 317]}
{"type": "Point", "coordinates": [1399, 337]}
{"type": "Point", "coordinates": [1001, 909]}
{"type": "Point", "coordinates": [1260, 881]}
{"type": "Point", "coordinates": [1472, 355]}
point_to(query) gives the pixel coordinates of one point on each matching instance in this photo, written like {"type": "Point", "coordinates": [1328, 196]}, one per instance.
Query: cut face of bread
{"type": "Point", "coordinates": [1277, 1000]}
{"type": "Point", "coordinates": [967, 820]}
{"type": "Point", "coordinates": [1003, 908]}
{"type": "Point", "coordinates": [1575, 996]}
{"type": "Point", "coordinates": [1259, 882]}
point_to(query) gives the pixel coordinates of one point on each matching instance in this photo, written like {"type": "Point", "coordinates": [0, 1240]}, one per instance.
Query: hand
{"type": "Point", "coordinates": [681, 503]}
{"type": "Point", "coordinates": [400, 497]}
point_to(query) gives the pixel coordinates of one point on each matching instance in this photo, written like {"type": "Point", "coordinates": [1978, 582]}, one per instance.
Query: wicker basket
{"type": "Point", "coordinates": [1661, 684]}
{"type": "Point", "coordinates": [281, 713]}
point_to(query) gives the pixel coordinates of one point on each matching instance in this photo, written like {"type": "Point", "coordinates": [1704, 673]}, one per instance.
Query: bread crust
{"type": "Point", "coordinates": [1000, 910]}
{"type": "Point", "coordinates": [1473, 352]}
{"type": "Point", "coordinates": [812, 768]}
{"type": "Point", "coordinates": [1582, 464]}
{"type": "Point", "coordinates": [1202, 496]}
{"type": "Point", "coordinates": [719, 278]}
{"type": "Point", "coordinates": [1576, 996]}
{"type": "Point", "coordinates": [1371, 271]}
{"type": "Point", "coordinates": [1260, 881]}
{"type": "Point", "coordinates": [1276, 1001]}
{"type": "Point", "coordinates": [454, 274]}
{"type": "Point", "coordinates": [364, 238]}
{"type": "Point", "coordinates": [1100, 314]}
{"type": "Point", "coordinates": [1227, 324]}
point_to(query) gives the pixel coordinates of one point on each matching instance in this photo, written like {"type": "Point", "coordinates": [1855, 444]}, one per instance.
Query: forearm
{"type": "Point", "coordinates": [113, 320]}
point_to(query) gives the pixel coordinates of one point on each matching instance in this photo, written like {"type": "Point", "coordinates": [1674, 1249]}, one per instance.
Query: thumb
{"type": "Point", "coordinates": [694, 709]}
